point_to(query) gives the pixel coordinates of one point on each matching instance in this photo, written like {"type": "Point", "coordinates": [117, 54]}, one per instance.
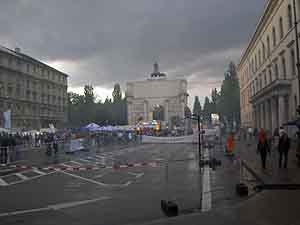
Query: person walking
{"type": "Point", "coordinates": [263, 147]}
{"type": "Point", "coordinates": [55, 143]}
{"type": "Point", "coordinates": [283, 147]}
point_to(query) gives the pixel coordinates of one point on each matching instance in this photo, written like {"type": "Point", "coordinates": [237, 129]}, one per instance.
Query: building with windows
{"type": "Point", "coordinates": [267, 69]}
{"type": "Point", "coordinates": [35, 93]}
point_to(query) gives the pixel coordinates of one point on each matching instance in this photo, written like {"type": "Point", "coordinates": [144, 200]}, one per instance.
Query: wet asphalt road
{"type": "Point", "coordinates": [123, 196]}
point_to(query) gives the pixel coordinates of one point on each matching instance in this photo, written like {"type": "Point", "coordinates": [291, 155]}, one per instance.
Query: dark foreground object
{"type": "Point", "coordinates": [169, 208]}
{"type": "Point", "coordinates": [242, 189]}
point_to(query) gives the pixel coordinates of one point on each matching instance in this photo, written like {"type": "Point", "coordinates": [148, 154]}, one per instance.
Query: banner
{"type": "Point", "coordinates": [7, 119]}
{"type": "Point", "coordinates": [76, 145]}
{"type": "Point", "coordinates": [170, 140]}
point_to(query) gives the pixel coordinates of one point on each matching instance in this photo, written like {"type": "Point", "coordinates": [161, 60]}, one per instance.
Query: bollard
{"type": "Point", "coordinates": [241, 188]}
{"type": "Point", "coordinates": [8, 155]}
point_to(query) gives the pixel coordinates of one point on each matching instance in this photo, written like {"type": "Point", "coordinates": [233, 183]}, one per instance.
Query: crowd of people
{"type": "Point", "coordinates": [14, 142]}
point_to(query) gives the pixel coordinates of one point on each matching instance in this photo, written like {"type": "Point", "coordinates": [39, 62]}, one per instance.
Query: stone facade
{"type": "Point", "coordinates": [143, 96]}
{"type": "Point", "coordinates": [267, 69]}
{"type": "Point", "coordinates": [35, 93]}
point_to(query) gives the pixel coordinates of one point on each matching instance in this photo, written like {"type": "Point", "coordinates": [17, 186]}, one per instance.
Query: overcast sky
{"type": "Point", "coordinates": [101, 42]}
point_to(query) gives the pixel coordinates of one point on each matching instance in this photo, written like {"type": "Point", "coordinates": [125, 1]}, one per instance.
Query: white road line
{"type": "Point", "coordinates": [30, 178]}
{"type": "Point", "coordinates": [84, 160]}
{"type": "Point", "coordinates": [55, 207]}
{"type": "Point", "coordinates": [3, 183]}
{"type": "Point", "coordinates": [39, 172]}
{"type": "Point", "coordinates": [21, 176]}
{"type": "Point", "coordinates": [78, 163]}
{"type": "Point", "coordinates": [85, 179]}
{"type": "Point", "coordinates": [66, 165]}
{"type": "Point", "coordinates": [206, 190]}
{"type": "Point", "coordinates": [97, 182]}
{"type": "Point", "coordinates": [137, 175]}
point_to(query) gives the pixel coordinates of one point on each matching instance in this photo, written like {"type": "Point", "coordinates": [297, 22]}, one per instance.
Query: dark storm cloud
{"type": "Point", "coordinates": [109, 41]}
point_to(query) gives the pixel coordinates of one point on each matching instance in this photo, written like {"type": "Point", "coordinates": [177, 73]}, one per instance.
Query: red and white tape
{"type": "Point", "coordinates": [87, 167]}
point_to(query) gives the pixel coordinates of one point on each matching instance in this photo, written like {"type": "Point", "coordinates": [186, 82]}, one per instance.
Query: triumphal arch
{"type": "Point", "coordinates": [156, 98]}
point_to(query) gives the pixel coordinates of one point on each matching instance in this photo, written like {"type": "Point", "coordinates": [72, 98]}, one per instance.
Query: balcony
{"type": "Point", "coordinates": [276, 87]}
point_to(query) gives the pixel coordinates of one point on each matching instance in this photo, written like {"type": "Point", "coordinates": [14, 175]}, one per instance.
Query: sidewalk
{"type": "Point", "coordinates": [268, 207]}
{"type": "Point", "coordinates": [272, 175]}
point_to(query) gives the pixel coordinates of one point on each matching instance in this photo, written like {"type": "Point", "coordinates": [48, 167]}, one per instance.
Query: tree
{"type": "Point", "coordinates": [117, 94]}
{"type": "Point", "coordinates": [207, 110]}
{"type": "Point", "coordinates": [229, 103]}
{"type": "Point", "coordinates": [89, 96]}
{"type": "Point", "coordinates": [197, 106]}
{"type": "Point", "coordinates": [214, 100]}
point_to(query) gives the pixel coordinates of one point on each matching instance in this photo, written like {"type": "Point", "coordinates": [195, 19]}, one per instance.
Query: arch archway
{"type": "Point", "coordinates": [158, 113]}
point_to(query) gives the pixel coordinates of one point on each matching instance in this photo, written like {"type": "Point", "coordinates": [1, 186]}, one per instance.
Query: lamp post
{"type": "Point", "coordinates": [297, 48]}
{"type": "Point", "coordinates": [198, 119]}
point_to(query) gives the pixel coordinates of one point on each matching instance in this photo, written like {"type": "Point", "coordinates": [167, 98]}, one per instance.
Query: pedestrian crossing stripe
{"type": "Point", "coordinates": [65, 167]}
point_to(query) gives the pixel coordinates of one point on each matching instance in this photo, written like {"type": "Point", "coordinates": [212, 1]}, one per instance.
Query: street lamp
{"type": "Point", "coordinates": [297, 48]}
{"type": "Point", "coordinates": [198, 119]}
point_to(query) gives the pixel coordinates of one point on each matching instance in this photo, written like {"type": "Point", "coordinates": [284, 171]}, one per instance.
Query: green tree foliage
{"type": "Point", "coordinates": [229, 104]}
{"type": "Point", "coordinates": [226, 102]}
{"type": "Point", "coordinates": [89, 96]}
{"type": "Point", "coordinates": [207, 110]}
{"type": "Point", "coordinates": [197, 106]}
{"type": "Point", "coordinates": [84, 108]}
{"type": "Point", "coordinates": [117, 94]}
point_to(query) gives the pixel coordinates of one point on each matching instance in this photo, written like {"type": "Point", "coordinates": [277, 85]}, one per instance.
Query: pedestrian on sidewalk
{"type": "Point", "coordinates": [263, 147]}
{"type": "Point", "coordinates": [283, 147]}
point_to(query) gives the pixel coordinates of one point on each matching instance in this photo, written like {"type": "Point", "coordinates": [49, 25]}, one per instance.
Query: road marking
{"type": "Point", "coordinates": [55, 207]}
{"type": "Point", "coordinates": [206, 189]}
{"type": "Point", "coordinates": [85, 179]}
{"type": "Point", "coordinates": [66, 165]}
{"type": "Point", "coordinates": [84, 160]}
{"type": "Point", "coordinates": [21, 176]}
{"type": "Point", "coordinates": [137, 175]}
{"type": "Point", "coordinates": [78, 163]}
{"type": "Point", "coordinates": [3, 183]}
{"type": "Point", "coordinates": [39, 172]}
{"type": "Point", "coordinates": [30, 178]}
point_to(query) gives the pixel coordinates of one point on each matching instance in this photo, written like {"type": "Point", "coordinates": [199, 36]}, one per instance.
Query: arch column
{"type": "Point", "coordinates": [166, 111]}
{"type": "Point", "coordinates": [146, 110]}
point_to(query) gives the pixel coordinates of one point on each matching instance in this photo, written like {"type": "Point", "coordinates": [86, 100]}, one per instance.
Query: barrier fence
{"type": "Point", "coordinates": [9, 154]}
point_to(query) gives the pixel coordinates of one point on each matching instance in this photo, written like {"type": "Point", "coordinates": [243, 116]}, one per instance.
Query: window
{"type": "Point", "coordinates": [27, 83]}
{"type": "Point", "coordinates": [259, 57]}
{"type": "Point", "coordinates": [276, 71]}
{"type": "Point", "coordinates": [256, 84]}
{"type": "Point", "coordinates": [293, 69]}
{"type": "Point", "coordinates": [10, 89]}
{"type": "Point", "coordinates": [27, 68]}
{"type": "Point", "coordinates": [28, 94]}
{"type": "Point", "coordinates": [255, 62]}
{"type": "Point", "coordinates": [9, 61]}
{"type": "Point", "coordinates": [270, 75]}
{"type": "Point", "coordinates": [283, 67]}
{"type": "Point", "coordinates": [274, 36]}
{"type": "Point", "coordinates": [18, 90]}
{"type": "Point", "coordinates": [260, 82]}
{"type": "Point", "coordinates": [265, 78]}
{"type": "Point", "coordinates": [268, 45]}
{"type": "Point", "coordinates": [281, 28]}
{"type": "Point", "coordinates": [264, 51]}
{"type": "Point", "coordinates": [290, 18]}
